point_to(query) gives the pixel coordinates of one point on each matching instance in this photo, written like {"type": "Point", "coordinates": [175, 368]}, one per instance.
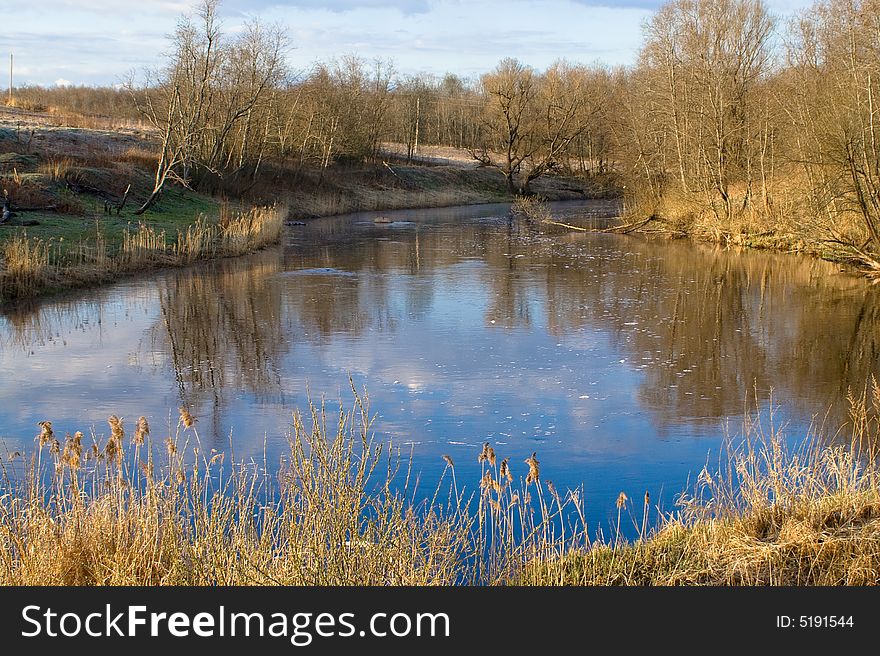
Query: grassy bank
{"type": "Point", "coordinates": [129, 509]}
{"type": "Point", "coordinates": [35, 265]}
{"type": "Point", "coordinates": [771, 515]}
{"type": "Point", "coordinates": [806, 521]}
{"type": "Point", "coordinates": [72, 193]}
{"type": "Point", "coordinates": [70, 196]}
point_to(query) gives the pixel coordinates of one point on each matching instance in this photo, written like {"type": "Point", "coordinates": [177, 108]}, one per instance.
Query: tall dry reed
{"type": "Point", "coordinates": [770, 514]}
{"type": "Point", "coordinates": [134, 508]}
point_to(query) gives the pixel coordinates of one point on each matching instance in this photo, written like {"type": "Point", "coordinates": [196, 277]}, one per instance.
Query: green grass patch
{"type": "Point", "coordinates": [175, 211]}
{"type": "Point", "coordinates": [18, 159]}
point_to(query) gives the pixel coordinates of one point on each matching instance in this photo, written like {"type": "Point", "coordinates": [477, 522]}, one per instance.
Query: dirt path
{"type": "Point", "coordinates": [436, 155]}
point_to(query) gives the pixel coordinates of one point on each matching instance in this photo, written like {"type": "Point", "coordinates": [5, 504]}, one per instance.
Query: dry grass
{"type": "Point", "coordinates": [24, 192]}
{"type": "Point", "coordinates": [72, 119]}
{"type": "Point", "coordinates": [32, 266]}
{"type": "Point", "coordinates": [26, 262]}
{"type": "Point", "coordinates": [140, 157]}
{"type": "Point", "coordinates": [340, 190]}
{"type": "Point", "coordinates": [136, 510]}
{"type": "Point", "coordinates": [788, 218]}
{"type": "Point", "coordinates": [522, 520]}
{"type": "Point", "coordinates": [772, 515]}
{"type": "Point", "coordinates": [436, 155]}
{"type": "Point", "coordinates": [56, 168]}
{"type": "Point", "coordinates": [130, 509]}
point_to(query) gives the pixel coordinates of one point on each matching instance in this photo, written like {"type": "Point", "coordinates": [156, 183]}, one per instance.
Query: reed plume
{"type": "Point", "coordinates": [534, 471]}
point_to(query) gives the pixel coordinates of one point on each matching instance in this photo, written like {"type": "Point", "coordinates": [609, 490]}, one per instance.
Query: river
{"type": "Point", "coordinates": [622, 361]}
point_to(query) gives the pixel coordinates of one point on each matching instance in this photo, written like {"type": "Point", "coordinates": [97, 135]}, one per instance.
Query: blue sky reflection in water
{"type": "Point", "coordinates": [618, 359]}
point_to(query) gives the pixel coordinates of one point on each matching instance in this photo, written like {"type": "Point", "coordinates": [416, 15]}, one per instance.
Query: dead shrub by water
{"type": "Point", "coordinates": [532, 208]}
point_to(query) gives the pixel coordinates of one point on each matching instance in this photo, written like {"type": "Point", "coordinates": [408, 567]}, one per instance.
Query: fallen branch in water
{"type": "Point", "coordinates": [854, 253]}
{"type": "Point", "coordinates": [622, 229]}
{"type": "Point", "coordinates": [630, 227]}
{"type": "Point", "coordinates": [569, 226]}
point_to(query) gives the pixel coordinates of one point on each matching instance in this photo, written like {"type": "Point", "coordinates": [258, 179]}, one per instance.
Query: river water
{"type": "Point", "coordinates": [622, 361]}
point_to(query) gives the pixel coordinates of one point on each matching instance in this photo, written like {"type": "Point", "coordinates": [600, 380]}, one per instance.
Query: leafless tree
{"type": "Point", "coordinates": [700, 66]}
{"type": "Point", "coordinates": [530, 120]}
{"type": "Point", "coordinates": [205, 103]}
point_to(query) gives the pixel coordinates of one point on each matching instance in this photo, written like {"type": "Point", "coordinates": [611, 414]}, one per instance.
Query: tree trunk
{"type": "Point", "coordinates": [511, 183]}
{"type": "Point", "coordinates": [150, 201]}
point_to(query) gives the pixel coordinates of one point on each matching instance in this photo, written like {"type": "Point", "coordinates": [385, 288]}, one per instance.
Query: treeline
{"type": "Point", "coordinates": [226, 107]}
{"type": "Point", "coordinates": [743, 128]}
{"type": "Point", "coordinates": [86, 101]}
{"type": "Point", "coordinates": [732, 124]}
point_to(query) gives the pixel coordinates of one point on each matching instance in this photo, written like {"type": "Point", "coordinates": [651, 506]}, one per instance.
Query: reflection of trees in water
{"type": "Point", "coordinates": [713, 323]}
{"type": "Point", "coordinates": [222, 327]}
{"type": "Point", "coordinates": [26, 325]}
{"type": "Point", "coordinates": [508, 288]}
{"type": "Point", "coordinates": [328, 304]}
{"type": "Point", "coordinates": [31, 323]}
{"type": "Point", "coordinates": [350, 304]}
{"type": "Point", "coordinates": [348, 300]}
{"type": "Point", "coordinates": [709, 323]}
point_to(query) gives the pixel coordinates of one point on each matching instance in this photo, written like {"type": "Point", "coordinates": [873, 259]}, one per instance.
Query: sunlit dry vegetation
{"type": "Point", "coordinates": [135, 508]}
{"type": "Point", "coordinates": [745, 130]}
{"type": "Point", "coordinates": [734, 125]}
{"type": "Point", "coordinates": [770, 514]}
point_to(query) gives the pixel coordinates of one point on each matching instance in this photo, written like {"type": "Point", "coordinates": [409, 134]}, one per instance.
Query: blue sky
{"type": "Point", "coordinates": [100, 41]}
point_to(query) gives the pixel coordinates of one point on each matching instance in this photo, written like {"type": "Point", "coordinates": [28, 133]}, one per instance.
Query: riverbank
{"type": "Point", "coordinates": [72, 193]}
{"type": "Point", "coordinates": [785, 222]}
{"type": "Point", "coordinates": [432, 182]}
{"type": "Point", "coordinates": [57, 253]}
{"type": "Point", "coordinates": [130, 509]}
{"type": "Point", "coordinates": [810, 519]}
{"type": "Point", "coordinates": [34, 266]}
{"type": "Point", "coordinates": [70, 197]}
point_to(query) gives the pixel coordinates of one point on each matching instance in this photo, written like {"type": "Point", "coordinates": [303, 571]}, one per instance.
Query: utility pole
{"type": "Point", "coordinates": [418, 120]}
{"type": "Point", "coordinates": [9, 102]}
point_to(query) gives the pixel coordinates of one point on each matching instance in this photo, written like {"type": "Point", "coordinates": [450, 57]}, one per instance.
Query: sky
{"type": "Point", "coordinates": [100, 42]}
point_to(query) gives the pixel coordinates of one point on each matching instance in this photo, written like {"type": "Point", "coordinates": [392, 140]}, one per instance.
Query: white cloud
{"type": "Point", "coordinates": [61, 82]}
{"type": "Point", "coordinates": [100, 41]}
{"type": "Point", "coordinates": [121, 7]}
